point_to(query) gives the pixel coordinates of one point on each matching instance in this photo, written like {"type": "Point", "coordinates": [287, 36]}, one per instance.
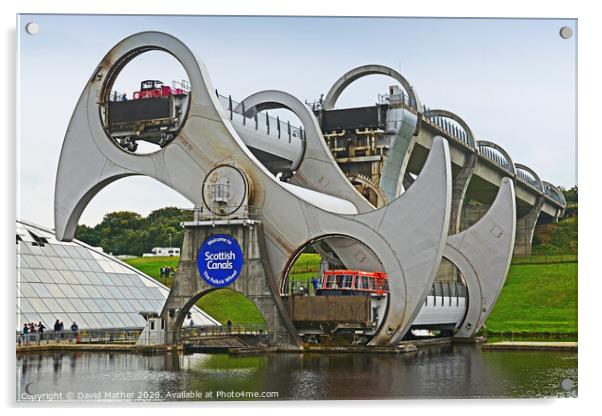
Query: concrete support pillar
{"type": "Point", "coordinates": [459, 187]}
{"type": "Point", "coordinates": [255, 282]}
{"type": "Point", "coordinates": [471, 214]}
{"type": "Point", "coordinates": [525, 226]}
{"type": "Point", "coordinates": [447, 271]}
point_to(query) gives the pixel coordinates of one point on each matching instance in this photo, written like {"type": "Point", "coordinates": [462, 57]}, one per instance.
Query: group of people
{"type": "Point", "coordinates": [60, 326]}
{"type": "Point", "coordinates": [32, 328]}
{"type": "Point", "coordinates": [167, 271]}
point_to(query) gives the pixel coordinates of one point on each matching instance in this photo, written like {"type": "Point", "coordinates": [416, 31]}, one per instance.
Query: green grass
{"type": "Point", "coordinates": [152, 265]}
{"type": "Point", "coordinates": [222, 304]}
{"type": "Point", "coordinates": [556, 238]}
{"type": "Point", "coordinates": [306, 262]}
{"type": "Point", "coordinates": [226, 304]}
{"type": "Point", "coordinates": [537, 298]}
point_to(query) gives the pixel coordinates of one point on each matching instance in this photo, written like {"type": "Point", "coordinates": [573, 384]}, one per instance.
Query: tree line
{"type": "Point", "coordinates": [126, 232]}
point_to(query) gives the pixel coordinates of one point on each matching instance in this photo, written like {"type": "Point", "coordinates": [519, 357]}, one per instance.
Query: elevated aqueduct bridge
{"type": "Point", "coordinates": [381, 148]}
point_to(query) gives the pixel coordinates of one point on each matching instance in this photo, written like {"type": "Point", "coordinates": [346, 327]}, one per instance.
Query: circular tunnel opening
{"type": "Point", "coordinates": [445, 305]}
{"type": "Point", "coordinates": [337, 291]}
{"type": "Point", "coordinates": [145, 101]}
{"type": "Point", "coordinates": [238, 317]}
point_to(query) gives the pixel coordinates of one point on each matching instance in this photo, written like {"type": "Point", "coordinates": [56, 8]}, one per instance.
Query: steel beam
{"type": "Point", "coordinates": [409, 250]}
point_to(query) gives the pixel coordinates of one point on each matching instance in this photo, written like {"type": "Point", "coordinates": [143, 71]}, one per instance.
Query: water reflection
{"type": "Point", "coordinates": [435, 372]}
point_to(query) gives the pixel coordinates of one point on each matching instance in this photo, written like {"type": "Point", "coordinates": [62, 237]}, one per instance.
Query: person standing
{"type": "Point", "coordinates": [74, 329]}
{"type": "Point", "coordinates": [315, 283]}
{"type": "Point", "coordinates": [41, 329]}
{"type": "Point", "coordinates": [55, 329]}
{"type": "Point", "coordinates": [25, 335]}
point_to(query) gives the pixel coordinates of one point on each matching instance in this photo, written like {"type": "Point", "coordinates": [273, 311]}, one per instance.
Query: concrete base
{"type": "Point", "coordinates": [253, 282]}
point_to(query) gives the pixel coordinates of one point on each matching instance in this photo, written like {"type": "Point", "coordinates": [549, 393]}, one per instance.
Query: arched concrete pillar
{"type": "Point", "coordinates": [525, 227]}
{"type": "Point", "coordinates": [462, 179]}
{"type": "Point", "coordinates": [459, 187]}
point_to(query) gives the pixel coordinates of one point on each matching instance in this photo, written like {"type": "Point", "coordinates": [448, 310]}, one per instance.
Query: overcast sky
{"type": "Point", "coordinates": [512, 81]}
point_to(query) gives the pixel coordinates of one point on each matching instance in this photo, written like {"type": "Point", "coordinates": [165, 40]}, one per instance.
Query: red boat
{"type": "Point", "coordinates": [352, 282]}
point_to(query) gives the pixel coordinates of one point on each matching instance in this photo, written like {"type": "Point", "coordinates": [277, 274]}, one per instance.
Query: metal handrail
{"type": "Point", "coordinates": [239, 212]}
{"type": "Point", "coordinates": [270, 125]}
{"type": "Point", "coordinates": [81, 336]}
{"type": "Point", "coordinates": [200, 331]}
{"type": "Point", "coordinates": [496, 158]}
{"type": "Point", "coordinates": [527, 178]}
{"type": "Point", "coordinates": [447, 128]}
{"type": "Point", "coordinates": [554, 193]}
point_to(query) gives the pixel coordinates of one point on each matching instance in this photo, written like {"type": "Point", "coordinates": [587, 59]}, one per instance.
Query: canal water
{"type": "Point", "coordinates": [458, 371]}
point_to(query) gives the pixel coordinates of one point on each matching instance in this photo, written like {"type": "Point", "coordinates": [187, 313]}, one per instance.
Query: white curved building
{"type": "Point", "coordinates": [72, 281]}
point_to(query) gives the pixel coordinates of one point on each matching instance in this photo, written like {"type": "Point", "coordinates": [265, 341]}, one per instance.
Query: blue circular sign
{"type": "Point", "coordinates": [220, 260]}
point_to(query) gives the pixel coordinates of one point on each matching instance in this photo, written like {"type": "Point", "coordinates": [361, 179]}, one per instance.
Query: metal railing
{"type": "Point", "coordinates": [192, 332]}
{"type": "Point", "coordinates": [183, 85]}
{"type": "Point", "coordinates": [131, 336]}
{"type": "Point", "coordinates": [82, 336]}
{"type": "Point", "coordinates": [230, 213]}
{"type": "Point", "coordinates": [263, 123]}
{"type": "Point", "coordinates": [448, 128]}
{"type": "Point", "coordinates": [546, 259]}
{"type": "Point", "coordinates": [554, 193]}
{"type": "Point", "coordinates": [528, 179]}
{"type": "Point", "coordinates": [496, 158]}
{"type": "Point", "coordinates": [117, 96]}
{"type": "Point", "coordinates": [398, 98]}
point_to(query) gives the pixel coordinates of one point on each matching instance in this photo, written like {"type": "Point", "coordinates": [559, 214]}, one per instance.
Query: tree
{"type": "Point", "coordinates": [125, 232]}
{"type": "Point", "coordinates": [90, 235]}
{"type": "Point", "coordinates": [571, 195]}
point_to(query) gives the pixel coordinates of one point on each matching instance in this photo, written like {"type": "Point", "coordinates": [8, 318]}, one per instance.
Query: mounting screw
{"type": "Point", "coordinates": [32, 28]}
{"type": "Point", "coordinates": [567, 384]}
{"type": "Point", "coordinates": [566, 32]}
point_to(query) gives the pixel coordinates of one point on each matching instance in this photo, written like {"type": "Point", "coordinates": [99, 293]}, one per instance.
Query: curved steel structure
{"type": "Point", "coordinates": [527, 176]}
{"type": "Point", "coordinates": [497, 155]}
{"type": "Point", "coordinates": [315, 166]}
{"type": "Point", "coordinates": [409, 251]}
{"type": "Point", "coordinates": [483, 254]}
{"type": "Point", "coordinates": [356, 73]}
{"type": "Point", "coordinates": [463, 135]}
{"type": "Point", "coordinates": [554, 193]}
{"type": "Point", "coordinates": [405, 238]}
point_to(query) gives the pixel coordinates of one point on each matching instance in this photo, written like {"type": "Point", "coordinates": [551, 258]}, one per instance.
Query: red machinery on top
{"type": "Point", "coordinates": [156, 89]}
{"type": "Point", "coordinates": [352, 282]}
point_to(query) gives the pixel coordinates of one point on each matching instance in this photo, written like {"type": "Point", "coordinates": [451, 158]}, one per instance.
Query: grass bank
{"type": "Point", "coordinates": [556, 238]}
{"type": "Point", "coordinates": [537, 298]}
{"type": "Point", "coordinates": [222, 304]}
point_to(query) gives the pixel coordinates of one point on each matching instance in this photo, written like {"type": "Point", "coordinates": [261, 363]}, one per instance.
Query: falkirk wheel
{"type": "Point", "coordinates": [251, 226]}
